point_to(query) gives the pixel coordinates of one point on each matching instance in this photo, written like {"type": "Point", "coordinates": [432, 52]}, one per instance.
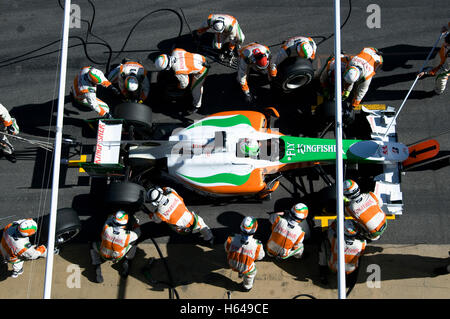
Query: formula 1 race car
{"type": "Point", "coordinates": [207, 155]}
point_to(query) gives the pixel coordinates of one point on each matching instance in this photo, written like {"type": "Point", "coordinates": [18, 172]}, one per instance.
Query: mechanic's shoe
{"type": "Point", "coordinates": [98, 274]}
{"type": "Point", "coordinates": [245, 289]}
{"type": "Point", "coordinates": [17, 273]}
{"type": "Point", "coordinates": [11, 157]}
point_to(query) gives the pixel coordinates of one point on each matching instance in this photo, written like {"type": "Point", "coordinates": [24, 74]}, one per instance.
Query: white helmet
{"type": "Point", "coordinates": [249, 225]}
{"type": "Point", "coordinates": [350, 228]}
{"type": "Point", "coordinates": [352, 74]}
{"type": "Point", "coordinates": [218, 25]}
{"type": "Point", "coordinates": [131, 83]}
{"type": "Point", "coordinates": [27, 228]}
{"type": "Point", "coordinates": [305, 50]}
{"type": "Point", "coordinates": [351, 189]}
{"type": "Point", "coordinates": [163, 62]}
{"type": "Point", "coordinates": [121, 218]}
{"type": "Point", "coordinates": [299, 212]}
{"type": "Point", "coordinates": [156, 196]}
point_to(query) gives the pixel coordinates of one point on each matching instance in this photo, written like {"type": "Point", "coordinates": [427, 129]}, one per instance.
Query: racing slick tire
{"type": "Point", "coordinates": [68, 226]}
{"type": "Point", "coordinates": [294, 73]}
{"type": "Point", "coordinates": [125, 195]}
{"type": "Point", "coordinates": [136, 114]}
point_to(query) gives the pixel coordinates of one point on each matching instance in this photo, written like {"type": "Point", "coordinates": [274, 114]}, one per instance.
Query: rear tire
{"type": "Point", "coordinates": [125, 195]}
{"type": "Point", "coordinates": [68, 226]}
{"type": "Point", "coordinates": [294, 73]}
{"type": "Point", "coordinates": [135, 114]}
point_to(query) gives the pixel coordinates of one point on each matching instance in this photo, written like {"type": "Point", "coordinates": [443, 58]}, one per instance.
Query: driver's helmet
{"type": "Point", "coordinates": [163, 62]}
{"type": "Point", "coordinates": [131, 83]}
{"type": "Point", "coordinates": [352, 74]}
{"type": "Point", "coordinates": [305, 50]}
{"type": "Point", "coordinates": [249, 147]}
{"type": "Point", "coordinates": [299, 212]}
{"type": "Point", "coordinates": [350, 228]}
{"type": "Point", "coordinates": [261, 60]}
{"type": "Point", "coordinates": [95, 76]}
{"type": "Point", "coordinates": [218, 25]}
{"type": "Point", "coordinates": [156, 196]}
{"type": "Point", "coordinates": [27, 228]}
{"type": "Point", "coordinates": [351, 189]}
{"type": "Point", "coordinates": [120, 218]}
{"type": "Point", "coordinates": [249, 225]}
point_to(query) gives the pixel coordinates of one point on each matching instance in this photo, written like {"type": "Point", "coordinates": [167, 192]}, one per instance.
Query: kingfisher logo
{"type": "Point", "coordinates": [302, 148]}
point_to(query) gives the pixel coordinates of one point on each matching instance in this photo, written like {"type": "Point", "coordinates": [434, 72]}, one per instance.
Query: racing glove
{"type": "Point", "coordinates": [13, 129]}
{"type": "Point", "coordinates": [345, 95]}
{"type": "Point", "coordinates": [249, 98]}
{"type": "Point", "coordinates": [115, 90]}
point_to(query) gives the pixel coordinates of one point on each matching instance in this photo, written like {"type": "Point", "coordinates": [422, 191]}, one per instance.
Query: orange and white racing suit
{"type": "Point", "coordinates": [232, 33]}
{"type": "Point", "coordinates": [122, 71]}
{"type": "Point", "coordinates": [286, 239]}
{"type": "Point", "coordinates": [175, 213]}
{"type": "Point", "coordinates": [366, 210]}
{"type": "Point", "coordinates": [116, 242]}
{"type": "Point", "coordinates": [16, 249]}
{"type": "Point", "coordinates": [368, 61]}
{"type": "Point", "coordinates": [326, 77]}
{"type": "Point", "coordinates": [84, 91]}
{"type": "Point", "coordinates": [242, 252]}
{"type": "Point", "coordinates": [190, 69]}
{"type": "Point", "coordinates": [442, 70]}
{"type": "Point", "coordinates": [247, 62]}
{"type": "Point", "coordinates": [6, 121]}
{"type": "Point", "coordinates": [353, 249]}
{"type": "Point", "coordinates": [289, 49]}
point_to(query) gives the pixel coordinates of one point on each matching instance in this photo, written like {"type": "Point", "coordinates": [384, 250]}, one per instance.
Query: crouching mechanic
{"type": "Point", "coordinates": [16, 247]}
{"type": "Point", "coordinates": [365, 208]}
{"type": "Point", "coordinates": [359, 73]}
{"type": "Point", "coordinates": [228, 35]}
{"type": "Point", "coordinates": [304, 47]}
{"type": "Point", "coordinates": [243, 250]}
{"type": "Point", "coordinates": [169, 207]}
{"type": "Point", "coordinates": [327, 76]}
{"type": "Point", "coordinates": [286, 239]}
{"type": "Point", "coordinates": [131, 78]}
{"type": "Point", "coordinates": [354, 246]}
{"type": "Point", "coordinates": [253, 56]}
{"type": "Point", "coordinates": [190, 70]}
{"type": "Point", "coordinates": [9, 126]}
{"type": "Point", "coordinates": [118, 242]}
{"type": "Point", "coordinates": [442, 69]}
{"type": "Point", "coordinates": [84, 90]}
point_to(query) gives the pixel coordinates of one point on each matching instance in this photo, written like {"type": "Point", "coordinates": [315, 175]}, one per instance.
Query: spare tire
{"type": "Point", "coordinates": [68, 225]}
{"type": "Point", "coordinates": [294, 73]}
{"type": "Point", "coordinates": [137, 114]}
{"type": "Point", "coordinates": [125, 195]}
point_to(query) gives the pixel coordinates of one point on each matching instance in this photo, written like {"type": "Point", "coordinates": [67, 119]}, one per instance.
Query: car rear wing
{"type": "Point", "coordinates": [387, 184]}
{"type": "Point", "coordinates": [107, 151]}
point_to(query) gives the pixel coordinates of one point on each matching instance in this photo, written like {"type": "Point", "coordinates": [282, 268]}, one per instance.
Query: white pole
{"type": "Point", "coordinates": [339, 160]}
{"type": "Point", "coordinates": [57, 155]}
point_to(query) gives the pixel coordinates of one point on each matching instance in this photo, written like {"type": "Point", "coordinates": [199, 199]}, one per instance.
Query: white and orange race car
{"type": "Point", "coordinates": [206, 155]}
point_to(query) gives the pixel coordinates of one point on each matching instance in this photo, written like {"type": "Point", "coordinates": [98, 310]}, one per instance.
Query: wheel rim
{"type": "Point", "coordinates": [61, 238]}
{"type": "Point", "coordinates": [296, 82]}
